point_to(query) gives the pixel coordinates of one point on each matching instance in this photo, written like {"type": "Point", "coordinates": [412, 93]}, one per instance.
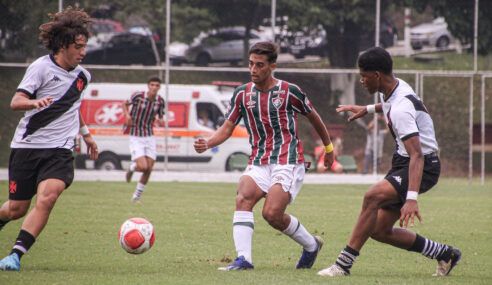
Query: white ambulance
{"type": "Point", "coordinates": [103, 114]}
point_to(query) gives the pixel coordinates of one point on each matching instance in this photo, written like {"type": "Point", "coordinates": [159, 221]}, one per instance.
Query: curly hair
{"type": "Point", "coordinates": [65, 27]}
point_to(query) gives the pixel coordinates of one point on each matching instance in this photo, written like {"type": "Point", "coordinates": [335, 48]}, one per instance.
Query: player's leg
{"type": "Point", "coordinates": [146, 156]}
{"type": "Point", "coordinates": [248, 194]}
{"type": "Point", "coordinates": [380, 194]}
{"type": "Point", "coordinates": [48, 192]}
{"type": "Point", "coordinates": [13, 210]}
{"type": "Point", "coordinates": [286, 183]}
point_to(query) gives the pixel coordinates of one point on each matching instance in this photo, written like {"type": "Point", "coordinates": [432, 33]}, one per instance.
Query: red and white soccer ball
{"type": "Point", "coordinates": [136, 235]}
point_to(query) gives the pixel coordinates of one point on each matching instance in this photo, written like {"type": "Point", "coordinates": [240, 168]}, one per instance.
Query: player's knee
{"type": "Point", "coordinates": [16, 213]}
{"type": "Point", "coordinates": [381, 235]}
{"type": "Point", "coordinates": [272, 217]}
{"type": "Point", "coordinates": [47, 202]}
{"type": "Point", "coordinates": [372, 198]}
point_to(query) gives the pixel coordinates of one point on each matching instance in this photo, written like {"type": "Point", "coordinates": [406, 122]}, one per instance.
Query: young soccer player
{"type": "Point", "coordinates": [269, 108]}
{"type": "Point", "coordinates": [145, 107]}
{"type": "Point", "coordinates": [41, 160]}
{"type": "Point", "coordinates": [415, 170]}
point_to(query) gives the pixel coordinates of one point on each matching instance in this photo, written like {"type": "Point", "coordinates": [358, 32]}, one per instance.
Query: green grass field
{"type": "Point", "coordinates": [193, 224]}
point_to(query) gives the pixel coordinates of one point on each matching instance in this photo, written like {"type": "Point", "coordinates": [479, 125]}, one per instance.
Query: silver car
{"type": "Point", "coordinates": [434, 34]}
{"type": "Point", "coordinates": [223, 45]}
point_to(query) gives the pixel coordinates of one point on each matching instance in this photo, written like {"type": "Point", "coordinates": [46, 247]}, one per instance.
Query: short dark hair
{"type": "Point", "coordinates": [65, 27]}
{"type": "Point", "coordinates": [376, 59]}
{"type": "Point", "coordinates": [154, 79]}
{"type": "Point", "coordinates": [270, 49]}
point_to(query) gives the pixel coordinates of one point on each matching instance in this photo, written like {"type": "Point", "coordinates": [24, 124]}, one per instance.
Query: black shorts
{"type": "Point", "coordinates": [28, 167]}
{"type": "Point", "coordinates": [398, 176]}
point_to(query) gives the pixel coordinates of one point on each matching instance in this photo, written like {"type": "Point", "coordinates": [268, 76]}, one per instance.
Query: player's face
{"type": "Point", "coordinates": [370, 80]}
{"type": "Point", "coordinates": [260, 68]}
{"type": "Point", "coordinates": [154, 87]}
{"type": "Point", "coordinates": [75, 52]}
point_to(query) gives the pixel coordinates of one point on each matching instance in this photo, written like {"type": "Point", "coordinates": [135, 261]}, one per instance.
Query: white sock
{"type": "Point", "coordinates": [242, 229]}
{"type": "Point", "coordinates": [297, 232]}
{"type": "Point", "coordinates": [132, 166]}
{"type": "Point", "coordinates": [139, 190]}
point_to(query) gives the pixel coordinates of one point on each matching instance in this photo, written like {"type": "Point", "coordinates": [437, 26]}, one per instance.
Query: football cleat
{"type": "Point", "coordinates": [334, 270]}
{"type": "Point", "coordinates": [307, 258]}
{"type": "Point", "coordinates": [239, 264]}
{"type": "Point", "coordinates": [10, 263]}
{"type": "Point", "coordinates": [136, 199]}
{"type": "Point", "coordinates": [444, 267]}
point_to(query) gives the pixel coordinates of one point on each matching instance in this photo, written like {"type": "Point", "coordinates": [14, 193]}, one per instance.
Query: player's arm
{"type": "Point", "coordinates": [320, 128]}
{"type": "Point", "coordinates": [360, 111]}
{"type": "Point", "coordinates": [410, 209]}
{"type": "Point", "coordinates": [126, 111]}
{"type": "Point", "coordinates": [22, 102]}
{"type": "Point", "coordinates": [89, 141]}
{"type": "Point", "coordinates": [220, 136]}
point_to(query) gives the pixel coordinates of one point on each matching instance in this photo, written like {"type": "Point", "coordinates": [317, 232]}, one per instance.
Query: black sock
{"type": "Point", "coordinates": [346, 258]}
{"type": "Point", "coordinates": [23, 243]}
{"type": "Point", "coordinates": [430, 249]}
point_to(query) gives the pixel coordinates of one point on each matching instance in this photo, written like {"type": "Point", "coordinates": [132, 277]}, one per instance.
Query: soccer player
{"type": "Point", "coordinates": [41, 160]}
{"type": "Point", "coordinates": [269, 108]}
{"type": "Point", "coordinates": [145, 107]}
{"type": "Point", "coordinates": [415, 170]}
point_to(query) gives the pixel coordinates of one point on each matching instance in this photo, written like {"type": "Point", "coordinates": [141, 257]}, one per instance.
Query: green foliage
{"type": "Point", "coordinates": [194, 236]}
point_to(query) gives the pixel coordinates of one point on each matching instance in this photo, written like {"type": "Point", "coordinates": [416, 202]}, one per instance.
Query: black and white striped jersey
{"type": "Point", "coordinates": [57, 125]}
{"type": "Point", "coordinates": [406, 117]}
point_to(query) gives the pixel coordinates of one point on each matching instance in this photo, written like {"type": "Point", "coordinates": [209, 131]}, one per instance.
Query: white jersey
{"type": "Point", "coordinates": [406, 117]}
{"type": "Point", "coordinates": [57, 125]}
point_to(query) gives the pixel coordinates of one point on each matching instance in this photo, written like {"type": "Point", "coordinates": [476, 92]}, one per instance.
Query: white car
{"type": "Point", "coordinates": [434, 34]}
{"type": "Point", "coordinates": [223, 45]}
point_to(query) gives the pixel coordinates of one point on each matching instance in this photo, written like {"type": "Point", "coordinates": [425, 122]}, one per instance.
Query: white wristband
{"type": "Point", "coordinates": [412, 195]}
{"type": "Point", "coordinates": [371, 108]}
{"type": "Point", "coordinates": [84, 131]}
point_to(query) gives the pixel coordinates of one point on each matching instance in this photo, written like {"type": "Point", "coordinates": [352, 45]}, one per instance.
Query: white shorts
{"type": "Point", "coordinates": [142, 146]}
{"type": "Point", "coordinates": [290, 176]}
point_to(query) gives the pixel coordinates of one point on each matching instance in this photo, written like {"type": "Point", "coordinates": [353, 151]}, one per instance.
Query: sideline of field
{"type": "Point", "coordinates": [232, 177]}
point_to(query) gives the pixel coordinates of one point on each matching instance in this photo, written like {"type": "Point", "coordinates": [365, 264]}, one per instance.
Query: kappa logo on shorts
{"type": "Point", "coordinates": [12, 187]}
{"type": "Point", "coordinates": [398, 179]}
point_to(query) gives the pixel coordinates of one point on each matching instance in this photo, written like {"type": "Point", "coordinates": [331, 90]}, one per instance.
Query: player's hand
{"type": "Point", "coordinates": [200, 145]}
{"type": "Point", "coordinates": [359, 111]}
{"type": "Point", "coordinates": [409, 211]}
{"type": "Point", "coordinates": [129, 121]}
{"type": "Point", "coordinates": [43, 102]}
{"type": "Point", "coordinates": [329, 159]}
{"type": "Point", "coordinates": [91, 146]}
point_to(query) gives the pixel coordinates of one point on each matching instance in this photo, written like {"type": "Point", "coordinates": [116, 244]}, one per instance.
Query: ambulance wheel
{"type": "Point", "coordinates": [237, 161]}
{"type": "Point", "coordinates": [108, 161]}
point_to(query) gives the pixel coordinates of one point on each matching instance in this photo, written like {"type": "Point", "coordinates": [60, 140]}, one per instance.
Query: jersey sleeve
{"type": "Point", "coordinates": [404, 121]}
{"type": "Point", "coordinates": [133, 98]}
{"type": "Point", "coordinates": [299, 100]}
{"type": "Point", "coordinates": [162, 108]}
{"type": "Point", "coordinates": [33, 80]}
{"type": "Point", "coordinates": [233, 113]}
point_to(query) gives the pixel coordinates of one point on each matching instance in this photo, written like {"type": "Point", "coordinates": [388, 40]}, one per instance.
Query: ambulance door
{"type": "Point", "coordinates": [177, 137]}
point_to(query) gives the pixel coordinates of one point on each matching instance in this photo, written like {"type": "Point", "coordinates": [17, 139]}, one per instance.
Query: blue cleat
{"type": "Point", "coordinates": [307, 258]}
{"type": "Point", "coordinates": [239, 264]}
{"type": "Point", "coordinates": [10, 263]}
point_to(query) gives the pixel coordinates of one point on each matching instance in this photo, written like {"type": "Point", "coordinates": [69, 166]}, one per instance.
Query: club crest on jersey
{"type": "Point", "coordinates": [80, 84]}
{"type": "Point", "coordinates": [277, 102]}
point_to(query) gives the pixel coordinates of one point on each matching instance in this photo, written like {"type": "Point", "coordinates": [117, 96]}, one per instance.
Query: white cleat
{"type": "Point", "coordinates": [334, 270]}
{"type": "Point", "coordinates": [443, 267]}
{"type": "Point", "coordinates": [136, 199]}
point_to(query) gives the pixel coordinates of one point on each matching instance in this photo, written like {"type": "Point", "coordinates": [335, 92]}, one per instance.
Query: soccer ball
{"type": "Point", "coordinates": [136, 235]}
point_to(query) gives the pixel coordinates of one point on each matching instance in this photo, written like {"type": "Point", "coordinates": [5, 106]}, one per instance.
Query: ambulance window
{"type": "Point", "coordinates": [209, 115]}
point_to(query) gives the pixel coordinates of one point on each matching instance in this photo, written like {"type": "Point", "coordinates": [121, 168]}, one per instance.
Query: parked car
{"type": "Point", "coordinates": [434, 34]}
{"type": "Point", "coordinates": [105, 26]}
{"type": "Point", "coordinates": [223, 45]}
{"type": "Point", "coordinates": [177, 52]}
{"type": "Point", "coordinates": [314, 42]}
{"type": "Point", "coordinates": [125, 48]}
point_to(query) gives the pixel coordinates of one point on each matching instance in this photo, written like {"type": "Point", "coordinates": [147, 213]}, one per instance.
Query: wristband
{"type": "Point", "coordinates": [329, 148]}
{"type": "Point", "coordinates": [371, 108]}
{"type": "Point", "coordinates": [412, 195]}
{"type": "Point", "coordinates": [84, 131]}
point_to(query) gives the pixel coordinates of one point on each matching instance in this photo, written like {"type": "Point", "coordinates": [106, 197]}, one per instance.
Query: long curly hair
{"type": "Point", "coordinates": [64, 28]}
